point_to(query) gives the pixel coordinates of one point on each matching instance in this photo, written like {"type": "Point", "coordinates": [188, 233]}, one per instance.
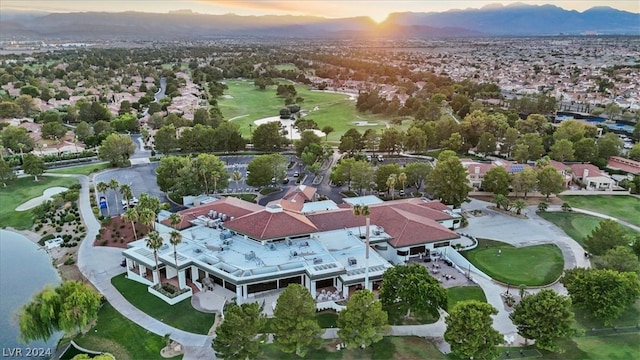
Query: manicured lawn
{"type": "Point", "coordinates": [181, 315]}
{"type": "Point", "coordinates": [463, 293]}
{"type": "Point", "coordinates": [81, 169]}
{"type": "Point", "coordinates": [629, 317]}
{"type": "Point", "coordinates": [390, 347]}
{"type": "Point", "coordinates": [248, 103]}
{"type": "Point", "coordinates": [282, 67]}
{"type": "Point", "coordinates": [21, 190]}
{"type": "Point", "coordinates": [121, 337]}
{"type": "Point", "coordinates": [577, 226]}
{"type": "Point", "coordinates": [625, 208]}
{"type": "Point", "coordinates": [532, 265]}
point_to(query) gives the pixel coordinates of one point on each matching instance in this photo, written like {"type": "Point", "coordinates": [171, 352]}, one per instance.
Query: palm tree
{"type": "Point", "coordinates": [363, 210]}
{"type": "Point", "coordinates": [500, 200]}
{"type": "Point", "coordinates": [147, 217]}
{"type": "Point", "coordinates": [402, 178]}
{"type": "Point", "coordinates": [127, 194]}
{"type": "Point", "coordinates": [114, 185]}
{"type": "Point", "coordinates": [132, 215]}
{"type": "Point", "coordinates": [236, 176]}
{"type": "Point", "coordinates": [519, 205]}
{"type": "Point", "coordinates": [175, 238]}
{"type": "Point", "coordinates": [215, 175]}
{"type": "Point", "coordinates": [102, 188]}
{"type": "Point", "coordinates": [391, 183]}
{"type": "Point", "coordinates": [154, 242]}
{"type": "Point", "coordinates": [175, 219]}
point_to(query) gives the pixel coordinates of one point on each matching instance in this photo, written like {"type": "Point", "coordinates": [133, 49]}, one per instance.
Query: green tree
{"type": "Point", "coordinates": [327, 130]}
{"type": "Point", "coordinates": [117, 149]}
{"type": "Point", "coordinates": [17, 139]}
{"type": "Point", "coordinates": [410, 287]}
{"type": "Point", "coordinates": [114, 185]}
{"type": "Point", "coordinates": [83, 130]}
{"type": "Point", "coordinates": [69, 307]}
{"type": "Point", "coordinates": [453, 143]}
{"type": "Point", "coordinates": [33, 165]}
{"type": "Point", "coordinates": [306, 139]}
{"type": "Point", "coordinates": [609, 145]}
{"type": "Point", "coordinates": [361, 174]}
{"type": "Point", "coordinates": [545, 317]}
{"type": "Point", "coordinates": [487, 144]}
{"type": "Point", "coordinates": [585, 150]}
{"type": "Point", "coordinates": [611, 110]}
{"type": "Point", "coordinates": [620, 258]}
{"type": "Point", "coordinates": [131, 214]}
{"type": "Point", "coordinates": [497, 181]}
{"type": "Point", "coordinates": [236, 176]}
{"type": "Point", "coordinates": [509, 141]}
{"type": "Point", "coordinates": [265, 167]}
{"type": "Point", "coordinates": [562, 150]}
{"type": "Point", "coordinates": [102, 127]}
{"type": "Point", "coordinates": [470, 332]}
{"type": "Point", "coordinates": [571, 130]}
{"type": "Point", "coordinates": [228, 137]}
{"type": "Point", "coordinates": [168, 172]}
{"type": "Point", "coordinates": [6, 172]}
{"type": "Point", "coordinates": [351, 141]}
{"type": "Point", "coordinates": [237, 337]}
{"type": "Point", "coordinates": [343, 172]}
{"type": "Point", "coordinates": [634, 153]}
{"type": "Point", "coordinates": [9, 109]}
{"type": "Point", "coordinates": [448, 180]}
{"type": "Point", "coordinates": [175, 238]}
{"type": "Point", "coordinates": [53, 130]}
{"type": "Point", "coordinates": [210, 173]}
{"type": "Point", "coordinates": [519, 205]}
{"type": "Point", "coordinates": [391, 184]}
{"type": "Point", "coordinates": [165, 139]}
{"type": "Point", "coordinates": [607, 235]}
{"type": "Point", "coordinates": [391, 140]}
{"type": "Point", "coordinates": [605, 294]}
{"type": "Point", "coordinates": [267, 137]}
{"type": "Point", "coordinates": [415, 139]}
{"type": "Point", "coordinates": [525, 181]}
{"type": "Point", "coordinates": [550, 181]}
{"type": "Point", "coordinates": [363, 322]}
{"type": "Point", "coordinates": [295, 329]}
{"type": "Point", "coordinates": [26, 104]}
{"type": "Point", "coordinates": [417, 173]}
{"type": "Point", "coordinates": [154, 242]}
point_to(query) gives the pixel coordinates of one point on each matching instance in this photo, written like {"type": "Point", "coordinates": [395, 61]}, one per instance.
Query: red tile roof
{"type": "Point", "coordinates": [578, 170]}
{"type": "Point", "coordinates": [230, 206]}
{"type": "Point", "coordinates": [626, 165]}
{"type": "Point", "coordinates": [300, 191]}
{"type": "Point", "coordinates": [266, 224]}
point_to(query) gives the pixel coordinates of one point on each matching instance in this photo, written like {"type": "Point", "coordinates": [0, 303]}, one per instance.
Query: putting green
{"type": "Point", "coordinates": [532, 265]}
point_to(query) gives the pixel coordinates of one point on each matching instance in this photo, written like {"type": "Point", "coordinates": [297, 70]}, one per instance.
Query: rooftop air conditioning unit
{"type": "Point", "coordinates": [250, 255]}
{"type": "Point", "coordinates": [352, 261]}
{"type": "Point", "coordinates": [317, 260]}
{"type": "Point", "coordinates": [272, 247]}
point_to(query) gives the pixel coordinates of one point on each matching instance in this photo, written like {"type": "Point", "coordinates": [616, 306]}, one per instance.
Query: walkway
{"type": "Point", "coordinates": [557, 208]}
{"type": "Point", "coordinates": [100, 264]}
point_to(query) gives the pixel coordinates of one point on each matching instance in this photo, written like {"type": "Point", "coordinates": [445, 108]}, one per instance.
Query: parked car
{"type": "Point", "coordinates": [296, 174]}
{"type": "Point", "coordinates": [285, 181]}
{"type": "Point", "coordinates": [401, 192]}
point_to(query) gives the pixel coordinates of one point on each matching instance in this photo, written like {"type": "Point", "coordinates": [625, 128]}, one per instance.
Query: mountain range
{"type": "Point", "coordinates": [492, 20]}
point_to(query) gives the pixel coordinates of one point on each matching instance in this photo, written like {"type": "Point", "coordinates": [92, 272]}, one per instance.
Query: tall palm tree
{"type": "Point", "coordinates": [175, 219]}
{"type": "Point", "coordinates": [402, 178]}
{"type": "Point", "coordinates": [391, 183]}
{"type": "Point", "coordinates": [154, 242]}
{"type": "Point", "coordinates": [175, 238]}
{"type": "Point", "coordinates": [147, 217]}
{"type": "Point", "coordinates": [132, 215]}
{"type": "Point", "coordinates": [363, 210]}
{"type": "Point", "coordinates": [114, 185]}
{"type": "Point", "coordinates": [215, 175]}
{"type": "Point", "coordinates": [127, 194]}
{"type": "Point", "coordinates": [102, 188]}
{"type": "Point", "coordinates": [236, 176]}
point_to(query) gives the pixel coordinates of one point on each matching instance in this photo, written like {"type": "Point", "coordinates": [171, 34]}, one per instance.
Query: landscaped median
{"type": "Point", "coordinates": [181, 315]}
{"type": "Point", "coordinates": [536, 265]}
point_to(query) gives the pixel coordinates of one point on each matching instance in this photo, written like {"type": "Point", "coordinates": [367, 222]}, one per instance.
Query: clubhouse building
{"type": "Point", "coordinates": [250, 249]}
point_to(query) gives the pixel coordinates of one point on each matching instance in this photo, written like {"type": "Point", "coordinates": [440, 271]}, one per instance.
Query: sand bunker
{"type": "Point", "coordinates": [293, 133]}
{"type": "Point", "coordinates": [46, 195]}
{"type": "Point", "coordinates": [364, 123]}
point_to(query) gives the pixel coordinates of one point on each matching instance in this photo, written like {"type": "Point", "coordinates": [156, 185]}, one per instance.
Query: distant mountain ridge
{"type": "Point", "coordinates": [518, 19]}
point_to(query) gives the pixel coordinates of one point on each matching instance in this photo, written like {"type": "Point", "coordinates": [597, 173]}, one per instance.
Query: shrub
{"type": "Point", "coordinates": [104, 243]}
{"type": "Point", "coordinates": [69, 218]}
{"type": "Point", "coordinates": [58, 228]}
{"type": "Point", "coordinates": [70, 261]}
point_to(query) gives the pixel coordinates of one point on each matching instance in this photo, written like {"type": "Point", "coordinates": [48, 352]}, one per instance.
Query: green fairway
{"type": "Point", "coordinates": [532, 265]}
{"type": "Point", "coordinates": [81, 169]}
{"type": "Point", "coordinates": [181, 315]}
{"type": "Point", "coordinates": [248, 103]}
{"type": "Point", "coordinates": [115, 334]}
{"type": "Point", "coordinates": [624, 208]}
{"type": "Point", "coordinates": [284, 67]}
{"type": "Point", "coordinates": [577, 226]}
{"type": "Point", "coordinates": [463, 293]}
{"type": "Point", "coordinates": [390, 347]}
{"type": "Point", "coordinates": [21, 190]}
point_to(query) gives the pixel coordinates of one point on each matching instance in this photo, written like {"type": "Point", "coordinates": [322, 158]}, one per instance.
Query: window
{"type": "Point", "coordinates": [441, 244]}
{"type": "Point", "coordinates": [402, 253]}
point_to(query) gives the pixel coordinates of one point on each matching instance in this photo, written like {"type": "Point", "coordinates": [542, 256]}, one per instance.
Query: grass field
{"type": "Point", "coordinates": [283, 67]}
{"type": "Point", "coordinates": [248, 104]}
{"type": "Point", "coordinates": [21, 190]}
{"type": "Point", "coordinates": [121, 337]}
{"type": "Point", "coordinates": [577, 226]}
{"type": "Point", "coordinates": [462, 293]}
{"type": "Point", "coordinates": [390, 347]}
{"type": "Point", "coordinates": [81, 169]}
{"type": "Point", "coordinates": [397, 316]}
{"type": "Point", "coordinates": [625, 208]}
{"type": "Point", "coordinates": [532, 265]}
{"type": "Point", "coordinates": [181, 315]}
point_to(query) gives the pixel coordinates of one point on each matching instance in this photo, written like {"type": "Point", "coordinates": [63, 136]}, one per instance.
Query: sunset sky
{"type": "Point", "coordinates": [377, 10]}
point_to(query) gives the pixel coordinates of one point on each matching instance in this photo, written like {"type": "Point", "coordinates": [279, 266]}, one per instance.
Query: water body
{"type": "Point", "coordinates": [24, 271]}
